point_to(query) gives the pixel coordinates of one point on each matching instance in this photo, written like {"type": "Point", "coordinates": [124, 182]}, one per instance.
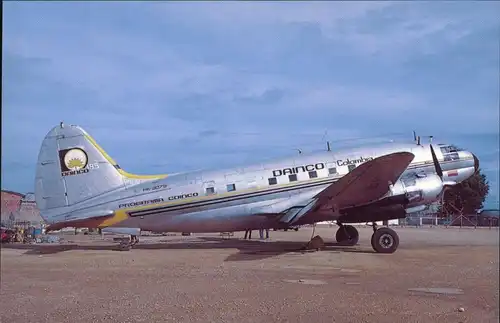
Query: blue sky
{"type": "Point", "coordinates": [178, 86]}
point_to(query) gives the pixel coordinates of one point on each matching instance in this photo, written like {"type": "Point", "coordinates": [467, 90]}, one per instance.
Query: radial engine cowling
{"type": "Point", "coordinates": [419, 190]}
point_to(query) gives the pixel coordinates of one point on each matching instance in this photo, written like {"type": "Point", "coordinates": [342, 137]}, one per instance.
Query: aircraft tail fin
{"type": "Point", "coordinates": [72, 168]}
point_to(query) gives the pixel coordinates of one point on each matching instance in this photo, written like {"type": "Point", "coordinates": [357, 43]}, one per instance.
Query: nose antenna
{"type": "Point", "coordinates": [430, 138]}
{"type": "Point", "coordinates": [416, 138]}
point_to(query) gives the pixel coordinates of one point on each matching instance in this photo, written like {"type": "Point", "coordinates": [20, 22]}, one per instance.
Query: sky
{"type": "Point", "coordinates": [168, 87]}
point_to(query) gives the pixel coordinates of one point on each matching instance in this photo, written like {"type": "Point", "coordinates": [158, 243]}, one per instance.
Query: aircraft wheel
{"type": "Point", "coordinates": [133, 240]}
{"type": "Point", "coordinates": [124, 246]}
{"type": "Point", "coordinates": [385, 240]}
{"type": "Point", "coordinates": [296, 229]}
{"type": "Point", "coordinates": [347, 235]}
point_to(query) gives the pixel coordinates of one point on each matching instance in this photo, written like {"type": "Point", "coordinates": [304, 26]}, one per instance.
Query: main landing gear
{"type": "Point", "coordinates": [384, 240]}
{"type": "Point", "coordinates": [347, 235]}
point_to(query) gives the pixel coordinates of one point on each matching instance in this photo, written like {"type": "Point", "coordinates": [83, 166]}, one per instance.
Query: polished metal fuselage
{"type": "Point", "coordinates": [207, 201]}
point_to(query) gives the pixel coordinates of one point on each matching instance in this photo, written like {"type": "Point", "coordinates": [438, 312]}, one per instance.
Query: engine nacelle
{"type": "Point", "coordinates": [424, 189]}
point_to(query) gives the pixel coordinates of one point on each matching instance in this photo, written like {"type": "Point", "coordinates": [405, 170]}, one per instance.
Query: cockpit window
{"type": "Point", "coordinates": [450, 149]}
{"type": "Point", "coordinates": [450, 152]}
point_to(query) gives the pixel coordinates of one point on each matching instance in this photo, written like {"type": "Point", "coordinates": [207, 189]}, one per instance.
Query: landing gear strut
{"type": "Point", "coordinates": [126, 244]}
{"type": "Point", "coordinates": [133, 240]}
{"type": "Point", "coordinates": [384, 240]}
{"type": "Point", "coordinates": [347, 235]}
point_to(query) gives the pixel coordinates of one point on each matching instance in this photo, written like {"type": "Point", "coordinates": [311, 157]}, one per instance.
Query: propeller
{"type": "Point", "coordinates": [439, 170]}
{"type": "Point", "coordinates": [437, 166]}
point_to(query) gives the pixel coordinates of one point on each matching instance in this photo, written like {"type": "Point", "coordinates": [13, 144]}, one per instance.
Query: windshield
{"type": "Point", "coordinates": [450, 152]}
{"type": "Point", "coordinates": [450, 149]}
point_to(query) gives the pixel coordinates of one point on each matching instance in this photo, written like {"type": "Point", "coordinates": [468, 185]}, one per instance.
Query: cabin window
{"type": "Point", "coordinates": [351, 167]}
{"type": "Point", "coordinates": [210, 190]}
{"type": "Point", "coordinates": [332, 171]}
{"type": "Point", "coordinates": [231, 187]}
{"type": "Point", "coordinates": [272, 181]}
{"type": "Point", "coordinates": [292, 178]}
{"type": "Point", "coordinates": [313, 174]}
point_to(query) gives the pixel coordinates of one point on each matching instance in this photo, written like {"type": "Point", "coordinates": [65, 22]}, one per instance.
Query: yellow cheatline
{"type": "Point", "coordinates": [119, 216]}
{"type": "Point", "coordinates": [121, 171]}
{"type": "Point", "coordinates": [218, 195]}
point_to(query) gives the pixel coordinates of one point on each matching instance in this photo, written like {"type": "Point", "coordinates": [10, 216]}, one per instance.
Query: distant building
{"type": "Point", "coordinates": [19, 209]}
{"type": "Point", "coordinates": [490, 217]}
{"type": "Point", "coordinates": [11, 201]}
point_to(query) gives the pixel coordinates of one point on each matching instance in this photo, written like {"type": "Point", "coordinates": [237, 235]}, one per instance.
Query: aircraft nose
{"type": "Point", "coordinates": [476, 163]}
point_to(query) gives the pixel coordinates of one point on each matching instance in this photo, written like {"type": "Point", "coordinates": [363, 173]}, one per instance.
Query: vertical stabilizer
{"type": "Point", "coordinates": [72, 168]}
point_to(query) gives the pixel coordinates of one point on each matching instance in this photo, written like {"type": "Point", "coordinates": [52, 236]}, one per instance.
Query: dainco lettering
{"type": "Point", "coordinates": [298, 169]}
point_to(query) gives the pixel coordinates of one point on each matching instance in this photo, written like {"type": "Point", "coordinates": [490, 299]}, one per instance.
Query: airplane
{"type": "Point", "coordinates": [79, 185]}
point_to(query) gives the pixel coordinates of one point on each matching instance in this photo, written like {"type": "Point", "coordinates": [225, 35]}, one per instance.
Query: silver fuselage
{"type": "Point", "coordinates": [239, 198]}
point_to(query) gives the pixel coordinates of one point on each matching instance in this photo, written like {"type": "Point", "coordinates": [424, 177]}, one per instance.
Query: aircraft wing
{"type": "Point", "coordinates": [365, 184]}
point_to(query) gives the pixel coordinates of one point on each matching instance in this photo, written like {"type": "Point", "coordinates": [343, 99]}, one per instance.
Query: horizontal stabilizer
{"type": "Point", "coordinates": [127, 231]}
{"type": "Point", "coordinates": [92, 222]}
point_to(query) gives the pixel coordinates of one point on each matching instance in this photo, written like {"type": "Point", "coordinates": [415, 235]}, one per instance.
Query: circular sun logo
{"type": "Point", "coordinates": [75, 159]}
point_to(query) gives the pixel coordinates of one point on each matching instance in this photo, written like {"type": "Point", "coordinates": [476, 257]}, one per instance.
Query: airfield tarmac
{"type": "Point", "coordinates": [205, 278]}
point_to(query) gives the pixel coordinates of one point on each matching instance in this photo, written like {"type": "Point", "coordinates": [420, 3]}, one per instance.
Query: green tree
{"type": "Point", "coordinates": [466, 197]}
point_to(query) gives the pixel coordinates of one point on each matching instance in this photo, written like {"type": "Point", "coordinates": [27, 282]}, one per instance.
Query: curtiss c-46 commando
{"type": "Point", "coordinates": [79, 185]}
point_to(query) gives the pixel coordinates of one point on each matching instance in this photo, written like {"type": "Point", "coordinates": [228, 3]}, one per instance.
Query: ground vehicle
{"type": "Point", "coordinates": [6, 235]}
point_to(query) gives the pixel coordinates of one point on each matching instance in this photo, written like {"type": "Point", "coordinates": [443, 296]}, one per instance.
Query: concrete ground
{"type": "Point", "coordinates": [204, 278]}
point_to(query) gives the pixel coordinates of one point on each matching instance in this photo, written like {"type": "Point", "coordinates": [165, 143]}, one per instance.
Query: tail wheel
{"type": "Point", "coordinates": [385, 240]}
{"type": "Point", "coordinates": [347, 235]}
{"type": "Point", "coordinates": [134, 240]}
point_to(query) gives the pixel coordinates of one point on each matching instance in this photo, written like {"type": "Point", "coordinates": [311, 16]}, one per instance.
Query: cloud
{"type": "Point", "coordinates": [184, 84]}
{"type": "Point", "coordinates": [369, 27]}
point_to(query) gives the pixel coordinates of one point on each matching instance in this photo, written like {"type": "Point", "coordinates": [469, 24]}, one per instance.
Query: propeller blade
{"type": "Point", "coordinates": [439, 171]}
